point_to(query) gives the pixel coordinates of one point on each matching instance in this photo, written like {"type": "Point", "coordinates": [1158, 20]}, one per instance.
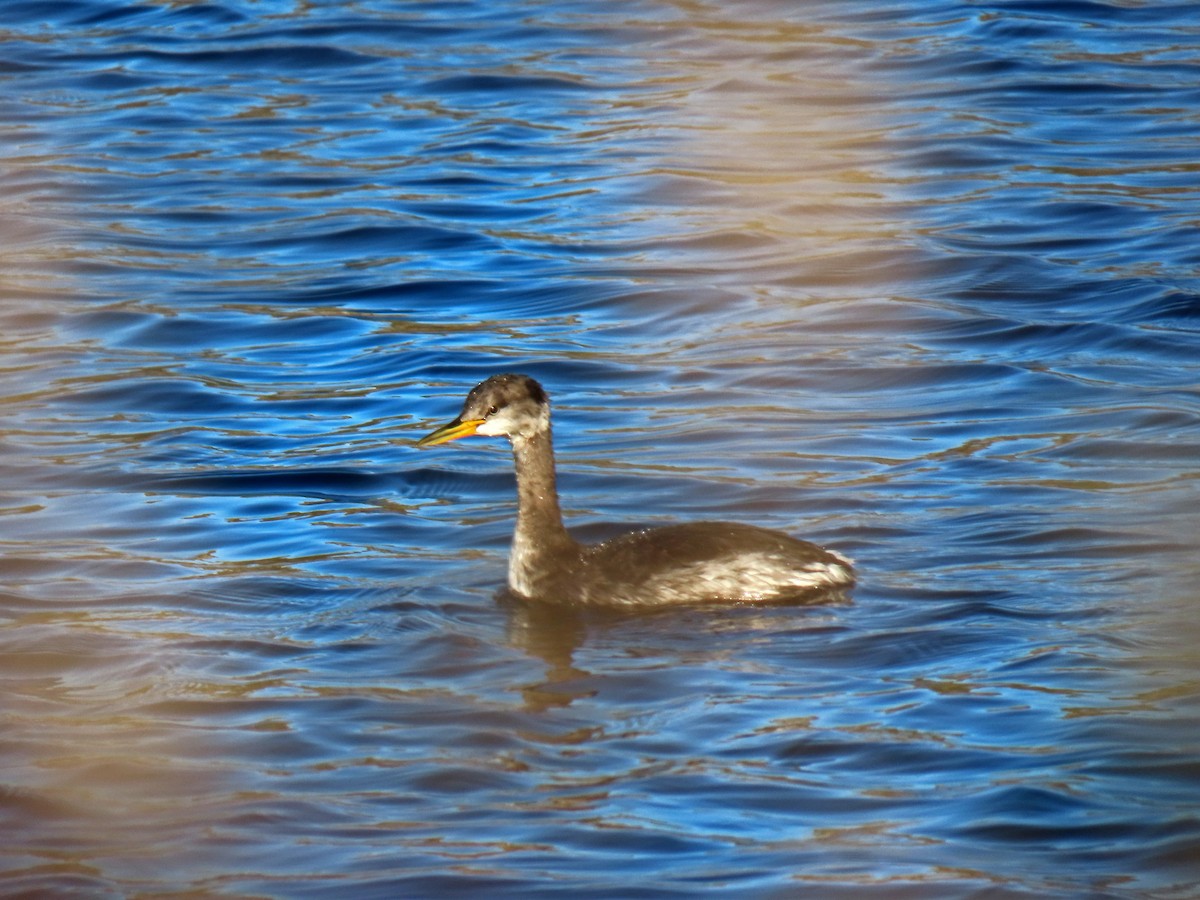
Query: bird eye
{"type": "Point", "coordinates": [491, 412]}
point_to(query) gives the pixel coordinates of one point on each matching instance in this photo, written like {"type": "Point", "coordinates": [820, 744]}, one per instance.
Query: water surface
{"type": "Point", "coordinates": [918, 282]}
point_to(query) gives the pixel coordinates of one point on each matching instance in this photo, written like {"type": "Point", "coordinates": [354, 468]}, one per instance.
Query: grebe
{"type": "Point", "coordinates": [697, 562]}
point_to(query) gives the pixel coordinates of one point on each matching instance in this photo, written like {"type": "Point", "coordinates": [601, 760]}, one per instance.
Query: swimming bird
{"type": "Point", "coordinates": [687, 563]}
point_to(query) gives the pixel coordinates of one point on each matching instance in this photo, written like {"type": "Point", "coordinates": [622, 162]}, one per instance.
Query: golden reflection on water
{"type": "Point", "coordinates": [92, 774]}
{"type": "Point", "coordinates": [777, 177]}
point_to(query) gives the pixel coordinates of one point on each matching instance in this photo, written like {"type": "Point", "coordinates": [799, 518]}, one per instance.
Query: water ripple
{"type": "Point", "coordinates": [915, 281]}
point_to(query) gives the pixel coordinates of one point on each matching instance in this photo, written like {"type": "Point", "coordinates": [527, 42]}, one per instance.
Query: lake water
{"type": "Point", "coordinates": [917, 281]}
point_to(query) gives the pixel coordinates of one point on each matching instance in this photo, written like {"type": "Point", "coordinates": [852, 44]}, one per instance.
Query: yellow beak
{"type": "Point", "coordinates": [451, 431]}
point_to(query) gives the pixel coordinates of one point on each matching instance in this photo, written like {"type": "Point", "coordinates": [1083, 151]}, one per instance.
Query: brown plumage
{"type": "Point", "coordinates": [698, 562]}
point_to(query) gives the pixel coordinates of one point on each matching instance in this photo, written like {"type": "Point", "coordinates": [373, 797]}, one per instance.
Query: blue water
{"type": "Point", "coordinates": [916, 281]}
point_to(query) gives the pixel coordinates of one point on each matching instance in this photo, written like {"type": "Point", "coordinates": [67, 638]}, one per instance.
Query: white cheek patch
{"type": "Point", "coordinates": [493, 427]}
{"type": "Point", "coordinates": [514, 422]}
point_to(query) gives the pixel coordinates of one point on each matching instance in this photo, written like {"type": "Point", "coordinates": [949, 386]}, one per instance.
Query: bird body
{"type": "Point", "coordinates": [694, 562]}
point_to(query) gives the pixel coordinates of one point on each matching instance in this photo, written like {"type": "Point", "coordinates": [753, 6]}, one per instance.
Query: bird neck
{"type": "Point", "coordinates": [538, 513]}
{"type": "Point", "coordinates": [540, 540]}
